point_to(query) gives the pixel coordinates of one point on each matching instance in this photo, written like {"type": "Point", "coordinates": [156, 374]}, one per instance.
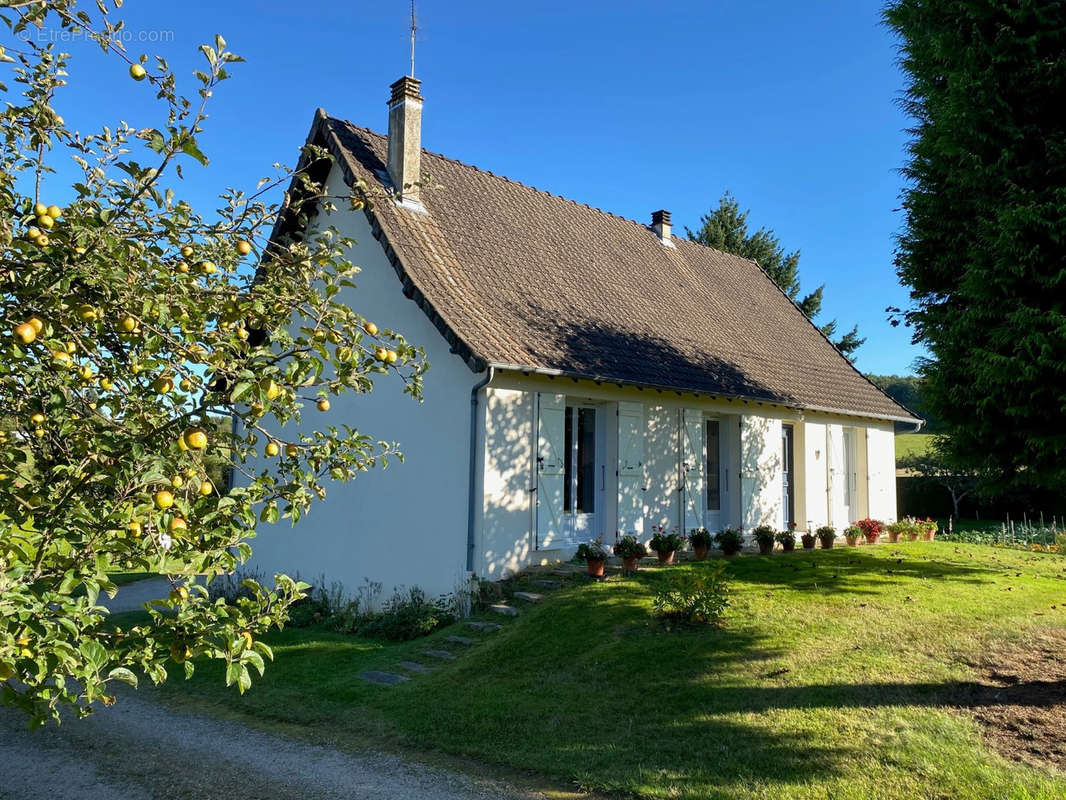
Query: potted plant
{"type": "Point", "coordinates": [701, 541]}
{"type": "Point", "coordinates": [911, 530]}
{"type": "Point", "coordinates": [665, 544]}
{"type": "Point", "coordinates": [826, 534]}
{"type": "Point", "coordinates": [808, 540]}
{"type": "Point", "coordinates": [928, 528]}
{"type": "Point", "coordinates": [594, 554]}
{"type": "Point", "coordinates": [895, 530]}
{"type": "Point", "coordinates": [729, 541]}
{"type": "Point", "coordinates": [787, 538]}
{"type": "Point", "coordinates": [764, 537]}
{"type": "Point", "coordinates": [852, 534]}
{"type": "Point", "coordinates": [871, 529]}
{"type": "Point", "coordinates": [630, 551]}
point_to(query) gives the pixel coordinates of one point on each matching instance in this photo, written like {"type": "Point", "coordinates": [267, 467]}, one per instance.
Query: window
{"type": "Point", "coordinates": [714, 466]}
{"type": "Point", "coordinates": [579, 487]}
{"type": "Point", "coordinates": [788, 498]}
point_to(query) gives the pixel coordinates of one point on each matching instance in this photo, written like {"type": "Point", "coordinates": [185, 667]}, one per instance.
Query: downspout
{"type": "Point", "coordinates": [472, 480]}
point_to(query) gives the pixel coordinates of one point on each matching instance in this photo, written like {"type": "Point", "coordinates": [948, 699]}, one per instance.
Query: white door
{"type": "Point", "coordinates": [716, 475]}
{"type": "Point", "coordinates": [551, 469]}
{"type": "Point", "coordinates": [692, 468]}
{"type": "Point", "coordinates": [631, 479]}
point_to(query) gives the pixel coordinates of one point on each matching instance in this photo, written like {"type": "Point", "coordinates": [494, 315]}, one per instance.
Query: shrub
{"type": "Point", "coordinates": [408, 616]}
{"type": "Point", "coordinates": [700, 537]}
{"type": "Point", "coordinates": [663, 542]}
{"type": "Point", "coordinates": [591, 551]}
{"type": "Point", "coordinates": [729, 540]}
{"type": "Point", "coordinates": [629, 547]}
{"type": "Point", "coordinates": [695, 596]}
{"type": "Point", "coordinates": [764, 535]}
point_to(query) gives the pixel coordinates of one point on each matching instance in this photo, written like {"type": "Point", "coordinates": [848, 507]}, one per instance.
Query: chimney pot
{"type": "Point", "coordinates": [660, 223]}
{"type": "Point", "coordinates": [405, 138]}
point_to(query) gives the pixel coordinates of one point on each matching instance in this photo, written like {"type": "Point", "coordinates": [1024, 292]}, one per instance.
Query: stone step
{"type": "Point", "coordinates": [414, 666]}
{"type": "Point", "coordinates": [529, 597]}
{"type": "Point", "coordinates": [549, 584]}
{"type": "Point", "coordinates": [465, 641]}
{"type": "Point", "coordinates": [383, 678]}
{"type": "Point", "coordinates": [485, 627]}
{"type": "Point", "coordinates": [506, 610]}
{"type": "Point", "coordinates": [444, 655]}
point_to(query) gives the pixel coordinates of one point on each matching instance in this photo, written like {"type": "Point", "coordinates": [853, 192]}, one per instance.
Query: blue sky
{"type": "Point", "coordinates": [625, 106]}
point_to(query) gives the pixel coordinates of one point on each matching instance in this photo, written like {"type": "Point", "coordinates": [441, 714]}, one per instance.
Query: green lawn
{"type": "Point", "coordinates": [912, 443]}
{"type": "Point", "coordinates": [834, 677]}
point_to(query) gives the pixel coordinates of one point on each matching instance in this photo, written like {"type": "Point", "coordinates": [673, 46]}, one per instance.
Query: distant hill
{"type": "Point", "coordinates": [907, 389]}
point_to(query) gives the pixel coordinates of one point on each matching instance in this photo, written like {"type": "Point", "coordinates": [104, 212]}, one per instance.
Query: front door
{"type": "Point", "coordinates": [713, 518]}
{"type": "Point", "coordinates": [582, 489]}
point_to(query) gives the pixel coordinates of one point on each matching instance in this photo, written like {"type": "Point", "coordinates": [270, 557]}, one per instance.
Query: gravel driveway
{"type": "Point", "coordinates": [138, 749]}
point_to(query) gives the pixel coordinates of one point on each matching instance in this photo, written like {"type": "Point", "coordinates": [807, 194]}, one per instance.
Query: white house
{"type": "Point", "coordinates": [589, 375]}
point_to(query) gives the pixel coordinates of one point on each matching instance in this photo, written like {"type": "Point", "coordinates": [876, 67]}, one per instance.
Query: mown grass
{"type": "Point", "coordinates": [912, 444]}
{"type": "Point", "coordinates": [834, 677]}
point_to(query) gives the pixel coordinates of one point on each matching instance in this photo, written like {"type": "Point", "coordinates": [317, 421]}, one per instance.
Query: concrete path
{"type": "Point", "coordinates": [138, 750]}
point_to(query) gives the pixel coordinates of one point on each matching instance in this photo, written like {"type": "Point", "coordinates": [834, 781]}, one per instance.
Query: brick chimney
{"type": "Point", "coordinates": [405, 138]}
{"type": "Point", "coordinates": [660, 223]}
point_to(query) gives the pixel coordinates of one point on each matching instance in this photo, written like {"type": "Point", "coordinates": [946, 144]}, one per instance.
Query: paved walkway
{"type": "Point", "coordinates": [131, 596]}
{"type": "Point", "coordinates": [138, 750]}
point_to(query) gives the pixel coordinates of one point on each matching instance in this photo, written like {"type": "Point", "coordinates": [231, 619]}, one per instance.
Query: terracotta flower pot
{"type": "Point", "coordinates": [666, 557]}
{"type": "Point", "coordinates": [788, 545]}
{"type": "Point", "coordinates": [851, 540]}
{"type": "Point", "coordinates": [912, 537]}
{"type": "Point", "coordinates": [699, 552]}
{"type": "Point", "coordinates": [808, 542]}
{"type": "Point", "coordinates": [630, 564]}
{"type": "Point", "coordinates": [929, 535]}
{"type": "Point", "coordinates": [595, 567]}
{"type": "Point", "coordinates": [872, 538]}
{"type": "Point", "coordinates": [827, 544]}
{"type": "Point", "coordinates": [893, 537]}
{"type": "Point", "coordinates": [766, 549]}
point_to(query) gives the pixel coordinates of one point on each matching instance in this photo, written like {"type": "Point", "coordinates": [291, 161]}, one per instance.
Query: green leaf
{"type": "Point", "coordinates": [124, 675]}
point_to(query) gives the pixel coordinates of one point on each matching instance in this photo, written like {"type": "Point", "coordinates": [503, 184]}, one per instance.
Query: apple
{"type": "Point", "coordinates": [322, 405]}
{"type": "Point", "coordinates": [106, 383]}
{"type": "Point", "coordinates": [183, 267]}
{"type": "Point", "coordinates": [206, 488]}
{"type": "Point", "coordinates": [163, 384]}
{"type": "Point", "coordinates": [370, 328]}
{"type": "Point", "coordinates": [186, 385]}
{"type": "Point", "coordinates": [176, 526]}
{"type": "Point", "coordinates": [180, 652]}
{"type": "Point", "coordinates": [135, 528]}
{"type": "Point", "coordinates": [381, 354]}
{"type": "Point", "coordinates": [207, 267]}
{"type": "Point", "coordinates": [26, 332]}
{"type": "Point", "coordinates": [42, 240]}
{"type": "Point", "coordinates": [46, 221]}
{"type": "Point", "coordinates": [243, 247]}
{"type": "Point", "coordinates": [87, 313]}
{"type": "Point", "coordinates": [179, 594]}
{"type": "Point", "coordinates": [85, 372]}
{"type": "Point", "coordinates": [391, 356]}
{"type": "Point", "coordinates": [195, 438]}
{"type": "Point", "coordinates": [270, 389]}
{"type": "Point", "coordinates": [163, 499]}
{"type": "Point", "coordinates": [39, 208]}
{"type": "Point", "coordinates": [186, 251]}
{"type": "Point", "coordinates": [55, 212]}
{"type": "Point", "coordinates": [137, 72]}
{"type": "Point", "coordinates": [271, 449]}
{"type": "Point", "coordinates": [37, 323]}
{"type": "Point", "coordinates": [292, 450]}
{"type": "Point", "coordinates": [37, 419]}
{"type": "Point", "coordinates": [61, 358]}
{"type": "Point", "coordinates": [177, 481]}
{"type": "Point", "coordinates": [128, 324]}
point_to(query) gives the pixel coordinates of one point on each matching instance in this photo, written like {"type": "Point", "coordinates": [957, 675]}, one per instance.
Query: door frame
{"type": "Point", "coordinates": [721, 518]}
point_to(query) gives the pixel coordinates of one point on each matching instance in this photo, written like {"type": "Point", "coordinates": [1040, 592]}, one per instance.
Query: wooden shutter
{"type": "Point", "coordinates": [551, 469]}
{"type": "Point", "coordinates": [631, 468]}
{"type": "Point", "coordinates": [837, 476]}
{"type": "Point", "coordinates": [692, 467]}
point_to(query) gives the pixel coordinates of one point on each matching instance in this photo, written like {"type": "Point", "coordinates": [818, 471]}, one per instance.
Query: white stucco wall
{"type": "Point", "coordinates": [405, 525]}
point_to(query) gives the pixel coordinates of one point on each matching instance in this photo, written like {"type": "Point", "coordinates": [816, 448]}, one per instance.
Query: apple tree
{"type": "Point", "coordinates": [143, 341]}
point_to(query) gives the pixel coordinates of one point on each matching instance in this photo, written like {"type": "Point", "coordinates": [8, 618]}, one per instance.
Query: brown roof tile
{"type": "Point", "coordinates": [528, 279]}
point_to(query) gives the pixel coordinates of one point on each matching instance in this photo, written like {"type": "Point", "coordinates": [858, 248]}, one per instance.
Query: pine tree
{"type": "Point", "coordinates": [726, 229]}
{"type": "Point", "coordinates": [983, 247]}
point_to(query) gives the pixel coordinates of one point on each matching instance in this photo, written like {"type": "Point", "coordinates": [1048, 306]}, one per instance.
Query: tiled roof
{"type": "Point", "coordinates": [522, 278]}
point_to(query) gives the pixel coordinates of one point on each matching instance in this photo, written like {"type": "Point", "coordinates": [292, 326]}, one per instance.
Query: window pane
{"type": "Point", "coordinates": [586, 460]}
{"type": "Point", "coordinates": [568, 470]}
{"type": "Point", "coordinates": [714, 486]}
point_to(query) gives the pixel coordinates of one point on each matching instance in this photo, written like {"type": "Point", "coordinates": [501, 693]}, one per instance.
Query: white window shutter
{"type": "Point", "coordinates": [551, 468]}
{"type": "Point", "coordinates": [631, 468]}
{"type": "Point", "coordinates": [837, 475]}
{"type": "Point", "coordinates": [692, 467]}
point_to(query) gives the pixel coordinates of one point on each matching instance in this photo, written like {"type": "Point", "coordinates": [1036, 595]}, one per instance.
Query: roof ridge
{"type": "Point", "coordinates": [490, 173]}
